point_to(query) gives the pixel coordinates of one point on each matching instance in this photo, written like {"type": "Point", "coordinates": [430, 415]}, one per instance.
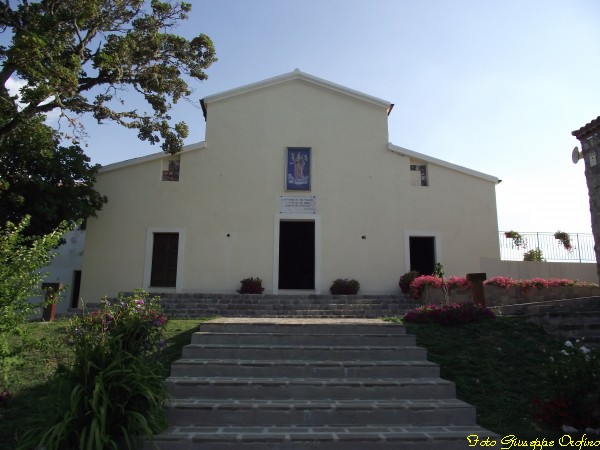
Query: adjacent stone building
{"type": "Point", "coordinates": [589, 136]}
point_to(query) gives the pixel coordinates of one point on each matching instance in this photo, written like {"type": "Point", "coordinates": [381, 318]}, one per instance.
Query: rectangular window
{"type": "Point", "coordinates": [171, 170]}
{"type": "Point", "coordinates": [418, 174]}
{"type": "Point", "coordinates": [164, 260]}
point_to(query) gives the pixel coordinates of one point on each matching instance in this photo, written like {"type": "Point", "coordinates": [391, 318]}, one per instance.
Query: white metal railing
{"type": "Point", "coordinates": [582, 247]}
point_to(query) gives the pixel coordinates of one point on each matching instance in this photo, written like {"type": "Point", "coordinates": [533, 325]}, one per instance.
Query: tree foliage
{"type": "Point", "coordinates": [41, 179]}
{"type": "Point", "coordinates": [81, 55]}
{"type": "Point", "coordinates": [21, 259]}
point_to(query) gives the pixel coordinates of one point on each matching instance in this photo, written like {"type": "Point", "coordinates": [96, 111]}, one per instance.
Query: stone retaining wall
{"type": "Point", "coordinates": [497, 296]}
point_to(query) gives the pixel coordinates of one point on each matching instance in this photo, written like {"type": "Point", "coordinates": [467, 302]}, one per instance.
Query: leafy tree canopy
{"type": "Point", "coordinates": [81, 55]}
{"type": "Point", "coordinates": [41, 179]}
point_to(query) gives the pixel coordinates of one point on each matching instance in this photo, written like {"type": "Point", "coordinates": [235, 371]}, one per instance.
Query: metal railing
{"type": "Point", "coordinates": [582, 247]}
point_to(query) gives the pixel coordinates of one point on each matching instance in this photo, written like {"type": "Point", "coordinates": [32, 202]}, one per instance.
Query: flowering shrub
{"type": "Point", "coordinates": [451, 314]}
{"type": "Point", "coordinates": [457, 282]}
{"type": "Point", "coordinates": [418, 284]}
{"type": "Point", "coordinates": [112, 393]}
{"type": "Point", "coordinates": [506, 282]}
{"type": "Point", "coordinates": [573, 386]}
{"type": "Point", "coordinates": [133, 325]}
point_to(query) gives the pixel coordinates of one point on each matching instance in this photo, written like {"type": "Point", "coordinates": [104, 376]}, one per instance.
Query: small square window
{"type": "Point", "coordinates": [172, 170]}
{"type": "Point", "coordinates": [418, 176]}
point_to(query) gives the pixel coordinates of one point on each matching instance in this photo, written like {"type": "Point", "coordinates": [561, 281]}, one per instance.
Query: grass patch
{"type": "Point", "coordinates": [497, 366]}
{"type": "Point", "coordinates": [33, 380]}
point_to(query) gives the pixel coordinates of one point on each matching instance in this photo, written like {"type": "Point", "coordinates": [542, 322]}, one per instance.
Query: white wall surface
{"type": "Point", "coordinates": [227, 200]}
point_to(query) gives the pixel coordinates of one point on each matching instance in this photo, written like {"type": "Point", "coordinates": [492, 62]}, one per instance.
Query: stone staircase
{"type": "Point", "coordinates": [268, 305]}
{"type": "Point", "coordinates": [298, 383]}
{"type": "Point", "coordinates": [568, 318]}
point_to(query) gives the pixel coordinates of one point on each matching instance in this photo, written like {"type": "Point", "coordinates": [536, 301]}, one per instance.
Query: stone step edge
{"type": "Point", "coordinates": [369, 433]}
{"type": "Point", "coordinates": [217, 404]}
{"type": "Point", "coordinates": [301, 362]}
{"type": "Point", "coordinates": [288, 381]}
{"type": "Point", "coordinates": [301, 347]}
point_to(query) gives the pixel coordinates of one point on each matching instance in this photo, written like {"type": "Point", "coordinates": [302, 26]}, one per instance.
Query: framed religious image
{"type": "Point", "coordinates": [298, 169]}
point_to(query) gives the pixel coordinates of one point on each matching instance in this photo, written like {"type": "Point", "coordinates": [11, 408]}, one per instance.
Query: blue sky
{"type": "Point", "coordinates": [496, 86]}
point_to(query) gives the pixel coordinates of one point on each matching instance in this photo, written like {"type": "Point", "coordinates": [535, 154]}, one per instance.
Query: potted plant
{"type": "Point", "coordinates": [518, 240]}
{"type": "Point", "coordinates": [565, 239]}
{"type": "Point", "coordinates": [251, 286]}
{"type": "Point", "coordinates": [344, 287]}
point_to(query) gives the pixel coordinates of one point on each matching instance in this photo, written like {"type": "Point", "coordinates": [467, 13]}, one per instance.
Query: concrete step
{"type": "Point", "coordinates": [302, 352]}
{"type": "Point", "coordinates": [304, 368]}
{"type": "Point", "coordinates": [372, 340]}
{"type": "Point", "coordinates": [310, 388]}
{"type": "Point", "coordinates": [343, 326]}
{"type": "Point", "coordinates": [297, 383]}
{"type": "Point", "coordinates": [309, 413]}
{"type": "Point", "coordinates": [367, 437]}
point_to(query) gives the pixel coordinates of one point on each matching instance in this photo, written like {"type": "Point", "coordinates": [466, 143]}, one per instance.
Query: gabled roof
{"type": "Point", "coordinates": [152, 157]}
{"type": "Point", "coordinates": [430, 159]}
{"type": "Point", "coordinates": [295, 75]}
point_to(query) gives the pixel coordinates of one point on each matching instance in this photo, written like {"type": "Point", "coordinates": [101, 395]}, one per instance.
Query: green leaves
{"type": "Point", "coordinates": [70, 51]}
{"type": "Point", "coordinates": [21, 258]}
{"type": "Point", "coordinates": [46, 181]}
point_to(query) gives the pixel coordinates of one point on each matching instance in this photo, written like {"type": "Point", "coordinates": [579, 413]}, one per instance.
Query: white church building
{"type": "Point", "coordinates": [295, 183]}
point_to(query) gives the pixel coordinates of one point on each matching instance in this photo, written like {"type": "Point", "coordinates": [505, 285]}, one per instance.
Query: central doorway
{"type": "Point", "coordinates": [296, 255]}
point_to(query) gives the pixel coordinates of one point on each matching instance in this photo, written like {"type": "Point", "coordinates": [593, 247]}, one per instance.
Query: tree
{"type": "Point", "coordinates": [41, 179]}
{"type": "Point", "coordinates": [81, 55]}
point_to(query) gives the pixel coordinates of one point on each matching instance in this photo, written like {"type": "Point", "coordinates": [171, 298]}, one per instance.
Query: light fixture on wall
{"type": "Point", "coordinates": [576, 155]}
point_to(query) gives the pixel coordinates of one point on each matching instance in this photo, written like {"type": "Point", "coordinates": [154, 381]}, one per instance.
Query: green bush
{"type": "Point", "coordinates": [344, 287]}
{"type": "Point", "coordinates": [573, 386]}
{"type": "Point", "coordinates": [21, 259]}
{"type": "Point", "coordinates": [533, 255]}
{"type": "Point", "coordinates": [112, 393]}
{"type": "Point", "coordinates": [406, 280]}
{"type": "Point", "coordinates": [251, 286]}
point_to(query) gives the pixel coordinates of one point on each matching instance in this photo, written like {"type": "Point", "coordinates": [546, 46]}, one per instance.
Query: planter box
{"type": "Point", "coordinates": [497, 296]}
{"type": "Point", "coordinates": [435, 296]}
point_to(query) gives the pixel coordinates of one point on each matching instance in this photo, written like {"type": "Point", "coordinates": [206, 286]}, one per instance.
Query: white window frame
{"type": "Point", "coordinates": [297, 218]}
{"type": "Point", "coordinates": [421, 233]}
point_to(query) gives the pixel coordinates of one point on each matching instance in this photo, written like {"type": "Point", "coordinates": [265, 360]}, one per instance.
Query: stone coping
{"type": "Point", "coordinates": [296, 321]}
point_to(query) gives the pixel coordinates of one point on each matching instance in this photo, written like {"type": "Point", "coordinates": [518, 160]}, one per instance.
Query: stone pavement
{"type": "Point", "coordinates": [297, 383]}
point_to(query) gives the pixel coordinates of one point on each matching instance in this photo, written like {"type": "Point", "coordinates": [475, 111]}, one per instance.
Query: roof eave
{"type": "Point", "coordinates": [440, 162]}
{"type": "Point", "coordinates": [148, 158]}
{"type": "Point", "coordinates": [295, 75]}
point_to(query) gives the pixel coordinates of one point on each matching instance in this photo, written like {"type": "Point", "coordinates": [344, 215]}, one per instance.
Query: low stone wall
{"type": "Point", "coordinates": [497, 296]}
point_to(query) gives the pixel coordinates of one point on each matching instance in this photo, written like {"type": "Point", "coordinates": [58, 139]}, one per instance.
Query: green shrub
{"type": "Point", "coordinates": [251, 286]}
{"type": "Point", "coordinates": [406, 279]}
{"type": "Point", "coordinates": [344, 287]}
{"type": "Point", "coordinates": [21, 259]}
{"type": "Point", "coordinates": [533, 255]}
{"type": "Point", "coordinates": [573, 386]}
{"type": "Point", "coordinates": [112, 393]}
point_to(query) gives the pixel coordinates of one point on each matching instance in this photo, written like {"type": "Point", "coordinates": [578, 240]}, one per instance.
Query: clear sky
{"type": "Point", "coordinates": [496, 86]}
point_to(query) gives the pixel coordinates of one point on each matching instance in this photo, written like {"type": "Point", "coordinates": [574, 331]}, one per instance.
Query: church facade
{"type": "Point", "coordinates": [295, 183]}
